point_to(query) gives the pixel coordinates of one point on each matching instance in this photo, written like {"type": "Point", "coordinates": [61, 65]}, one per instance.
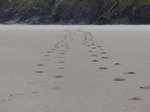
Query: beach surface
{"type": "Point", "coordinates": [74, 68]}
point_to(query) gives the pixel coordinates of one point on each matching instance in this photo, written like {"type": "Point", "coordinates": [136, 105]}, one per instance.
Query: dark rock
{"type": "Point", "coordinates": [9, 14]}
{"type": "Point", "coordinates": [141, 15]}
{"type": "Point", "coordinates": [103, 20]}
{"type": "Point", "coordinates": [75, 12]}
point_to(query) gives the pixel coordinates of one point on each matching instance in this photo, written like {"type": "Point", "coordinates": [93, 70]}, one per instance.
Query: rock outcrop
{"type": "Point", "coordinates": [75, 11]}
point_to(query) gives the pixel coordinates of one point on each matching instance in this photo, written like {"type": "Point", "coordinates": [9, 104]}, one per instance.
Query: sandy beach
{"type": "Point", "coordinates": [74, 68]}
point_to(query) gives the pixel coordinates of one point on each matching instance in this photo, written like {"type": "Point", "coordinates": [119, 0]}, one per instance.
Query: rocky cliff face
{"type": "Point", "coordinates": [75, 11]}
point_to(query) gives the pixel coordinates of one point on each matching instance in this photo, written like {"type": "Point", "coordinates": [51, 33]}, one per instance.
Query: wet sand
{"type": "Point", "coordinates": [74, 68]}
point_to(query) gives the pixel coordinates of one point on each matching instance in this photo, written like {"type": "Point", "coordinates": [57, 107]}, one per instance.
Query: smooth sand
{"type": "Point", "coordinates": [74, 68]}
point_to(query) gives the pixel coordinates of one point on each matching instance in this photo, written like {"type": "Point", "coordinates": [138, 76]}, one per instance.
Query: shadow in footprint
{"type": "Point", "coordinates": [59, 76]}
{"type": "Point", "coordinates": [90, 51]}
{"type": "Point", "coordinates": [95, 61]}
{"type": "Point", "coordinates": [39, 72]}
{"type": "Point", "coordinates": [34, 92]}
{"type": "Point", "coordinates": [105, 58]}
{"type": "Point", "coordinates": [39, 64]}
{"type": "Point", "coordinates": [103, 53]}
{"type": "Point", "coordinates": [128, 72]}
{"type": "Point", "coordinates": [45, 59]}
{"type": "Point", "coordinates": [61, 61]}
{"type": "Point", "coordinates": [116, 64]}
{"type": "Point", "coordinates": [103, 68]}
{"type": "Point", "coordinates": [61, 68]}
{"type": "Point", "coordinates": [49, 51]}
{"type": "Point", "coordinates": [119, 79]}
{"type": "Point", "coordinates": [137, 98]}
{"type": "Point", "coordinates": [145, 87]}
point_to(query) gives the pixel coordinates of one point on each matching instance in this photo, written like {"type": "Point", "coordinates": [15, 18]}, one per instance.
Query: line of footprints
{"type": "Point", "coordinates": [60, 45]}
{"type": "Point", "coordinates": [89, 42]}
{"type": "Point", "coordinates": [63, 45]}
{"type": "Point", "coordinates": [59, 50]}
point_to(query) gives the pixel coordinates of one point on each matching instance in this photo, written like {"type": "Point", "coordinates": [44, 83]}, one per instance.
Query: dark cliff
{"type": "Point", "coordinates": [75, 11]}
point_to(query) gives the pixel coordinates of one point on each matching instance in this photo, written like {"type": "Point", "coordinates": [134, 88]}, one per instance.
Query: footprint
{"type": "Point", "coordinates": [105, 58]}
{"type": "Point", "coordinates": [145, 87]}
{"type": "Point", "coordinates": [87, 45]}
{"type": "Point", "coordinates": [61, 53]}
{"type": "Point", "coordinates": [128, 72]}
{"type": "Point", "coordinates": [6, 100]}
{"type": "Point", "coordinates": [34, 92]}
{"type": "Point", "coordinates": [102, 49]}
{"type": "Point", "coordinates": [61, 61]}
{"type": "Point", "coordinates": [103, 68]}
{"type": "Point", "coordinates": [119, 79]}
{"type": "Point", "coordinates": [116, 64]}
{"type": "Point", "coordinates": [32, 82]}
{"type": "Point", "coordinates": [94, 55]}
{"type": "Point", "coordinates": [39, 72]}
{"type": "Point", "coordinates": [103, 53]}
{"type": "Point", "coordinates": [47, 55]}
{"type": "Point", "coordinates": [55, 45]}
{"type": "Point", "coordinates": [95, 61]}
{"type": "Point", "coordinates": [39, 64]}
{"type": "Point", "coordinates": [44, 59]}
{"type": "Point", "coordinates": [137, 98]}
{"type": "Point", "coordinates": [59, 76]}
{"type": "Point", "coordinates": [40, 81]}
{"type": "Point", "coordinates": [59, 57]}
{"type": "Point", "coordinates": [17, 94]}
{"type": "Point", "coordinates": [99, 46]}
{"type": "Point", "coordinates": [90, 51]}
{"type": "Point", "coordinates": [56, 88]}
{"type": "Point", "coordinates": [49, 51]}
{"type": "Point", "coordinates": [53, 49]}
{"type": "Point", "coordinates": [61, 68]}
{"type": "Point", "coordinates": [94, 48]}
